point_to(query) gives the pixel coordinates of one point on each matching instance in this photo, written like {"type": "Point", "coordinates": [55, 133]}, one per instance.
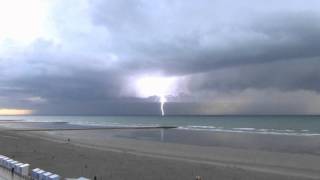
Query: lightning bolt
{"type": "Point", "coordinates": [162, 100]}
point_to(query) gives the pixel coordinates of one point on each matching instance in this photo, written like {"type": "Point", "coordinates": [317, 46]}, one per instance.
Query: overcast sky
{"type": "Point", "coordinates": [213, 56]}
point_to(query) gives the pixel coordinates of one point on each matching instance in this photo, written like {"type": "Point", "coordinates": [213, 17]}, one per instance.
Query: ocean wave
{"type": "Point", "coordinates": [304, 131]}
{"type": "Point", "coordinates": [291, 132]}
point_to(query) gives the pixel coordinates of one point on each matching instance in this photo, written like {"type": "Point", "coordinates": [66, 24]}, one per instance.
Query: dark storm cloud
{"type": "Point", "coordinates": [191, 41]}
{"type": "Point", "coordinates": [299, 74]}
{"type": "Point", "coordinates": [226, 52]}
{"type": "Point", "coordinates": [285, 35]}
{"type": "Point", "coordinates": [53, 78]}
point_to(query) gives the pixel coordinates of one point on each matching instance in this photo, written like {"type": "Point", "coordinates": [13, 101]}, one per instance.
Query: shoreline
{"type": "Point", "coordinates": [276, 125]}
{"type": "Point", "coordinates": [153, 156]}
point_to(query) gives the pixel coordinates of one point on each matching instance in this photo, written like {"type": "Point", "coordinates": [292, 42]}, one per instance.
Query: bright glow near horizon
{"type": "Point", "coordinates": [4, 112]}
{"type": "Point", "coordinates": [161, 87]}
{"type": "Point", "coordinates": [147, 86]}
{"type": "Point", "coordinates": [22, 21]}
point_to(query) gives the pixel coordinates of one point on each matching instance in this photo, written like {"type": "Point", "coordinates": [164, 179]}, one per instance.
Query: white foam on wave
{"type": "Point", "coordinates": [244, 129]}
{"type": "Point", "coordinates": [289, 132]}
{"type": "Point", "coordinates": [204, 127]}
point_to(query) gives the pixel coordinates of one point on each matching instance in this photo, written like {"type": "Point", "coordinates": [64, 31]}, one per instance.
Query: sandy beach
{"type": "Point", "coordinates": [148, 154]}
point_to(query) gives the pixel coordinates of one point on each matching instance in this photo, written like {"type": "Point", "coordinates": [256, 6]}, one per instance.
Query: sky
{"type": "Point", "coordinates": [119, 57]}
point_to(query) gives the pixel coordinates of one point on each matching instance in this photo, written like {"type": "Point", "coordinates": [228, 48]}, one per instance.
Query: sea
{"type": "Point", "coordinates": [299, 125]}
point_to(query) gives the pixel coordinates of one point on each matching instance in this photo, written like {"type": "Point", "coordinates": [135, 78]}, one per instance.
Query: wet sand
{"type": "Point", "coordinates": [175, 154]}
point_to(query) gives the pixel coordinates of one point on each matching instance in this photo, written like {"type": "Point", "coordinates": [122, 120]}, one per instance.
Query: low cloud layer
{"type": "Point", "coordinates": [253, 57]}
